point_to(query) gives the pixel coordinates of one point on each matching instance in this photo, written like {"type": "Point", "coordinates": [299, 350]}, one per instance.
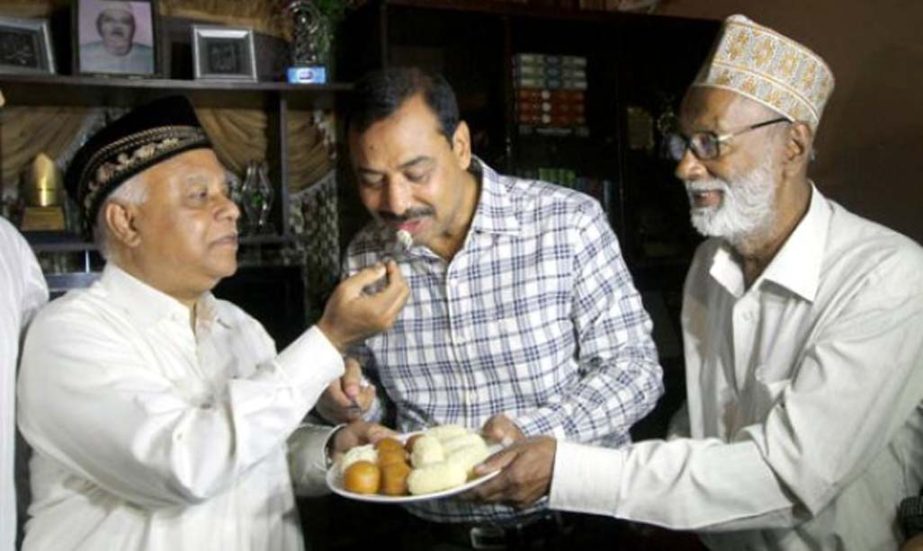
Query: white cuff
{"type": "Point", "coordinates": [586, 478]}
{"type": "Point", "coordinates": [311, 362]}
{"type": "Point", "coordinates": [307, 453]}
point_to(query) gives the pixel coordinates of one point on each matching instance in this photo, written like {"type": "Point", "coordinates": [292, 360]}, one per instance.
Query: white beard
{"type": "Point", "coordinates": [746, 209]}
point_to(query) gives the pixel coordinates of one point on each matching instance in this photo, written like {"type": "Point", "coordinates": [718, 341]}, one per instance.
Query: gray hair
{"type": "Point", "coordinates": [133, 191]}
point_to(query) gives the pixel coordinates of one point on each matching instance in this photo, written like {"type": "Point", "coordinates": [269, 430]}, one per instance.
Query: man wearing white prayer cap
{"type": "Point", "coordinates": [802, 323]}
{"type": "Point", "coordinates": [116, 50]}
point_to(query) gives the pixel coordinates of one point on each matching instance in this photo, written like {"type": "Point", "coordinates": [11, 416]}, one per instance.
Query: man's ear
{"type": "Point", "coordinates": [798, 146]}
{"type": "Point", "coordinates": [120, 222]}
{"type": "Point", "coordinates": [461, 145]}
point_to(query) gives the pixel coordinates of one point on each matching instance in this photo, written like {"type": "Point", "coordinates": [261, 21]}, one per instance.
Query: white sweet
{"type": "Point", "coordinates": [435, 478]}
{"type": "Point", "coordinates": [445, 432]}
{"type": "Point", "coordinates": [463, 441]}
{"type": "Point", "coordinates": [426, 451]}
{"type": "Point", "coordinates": [469, 456]}
{"type": "Point", "coordinates": [404, 241]}
{"type": "Point", "coordinates": [359, 453]}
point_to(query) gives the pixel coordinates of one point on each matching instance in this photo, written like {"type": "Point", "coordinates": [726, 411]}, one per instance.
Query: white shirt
{"type": "Point", "coordinates": [147, 435]}
{"type": "Point", "coordinates": [22, 291]}
{"type": "Point", "coordinates": [95, 59]}
{"type": "Point", "coordinates": [803, 397]}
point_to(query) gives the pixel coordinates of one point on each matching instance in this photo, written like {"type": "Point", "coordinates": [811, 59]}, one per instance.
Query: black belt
{"type": "Point", "coordinates": [542, 532]}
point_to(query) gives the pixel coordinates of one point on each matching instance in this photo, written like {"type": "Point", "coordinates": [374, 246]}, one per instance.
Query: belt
{"type": "Point", "coordinates": [536, 533]}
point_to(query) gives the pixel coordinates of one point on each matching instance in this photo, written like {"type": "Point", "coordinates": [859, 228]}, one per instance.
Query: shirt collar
{"type": "Point", "coordinates": [798, 263]}
{"type": "Point", "coordinates": [796, 266]}
{"type": "Point", "coordinates": [149, 305]}
{"type": "Point", "coordinates": [495, 212]}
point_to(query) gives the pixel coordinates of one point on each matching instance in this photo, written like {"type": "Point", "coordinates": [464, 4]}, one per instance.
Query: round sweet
{"type": "Point", "coordinates": [426, 450]}
{"type": "Point", "coordinates": [411, 442]}
{"type": "Point", "coordinates": [435, 478]}
{"type": "Point", "coordinates": [388, 444]}
{"type": "Point", "coordinates": [469, 456]}
{"type": "Point", "coordinates": [359, 453]}
{"type": "Point", "coordinates": [362, 477]}
{"type": "Point", "coordinates": [387, 457]}
{"type": "Point", "coordinates": [463, 441]}
{"type": "Point", "coordinates": [445, 432]}
{"type": "Point", "coordinates": [394, 479]}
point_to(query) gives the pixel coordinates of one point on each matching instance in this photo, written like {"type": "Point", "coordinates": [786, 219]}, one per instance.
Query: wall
{"type": "Point", "coordinates": [870, 141]}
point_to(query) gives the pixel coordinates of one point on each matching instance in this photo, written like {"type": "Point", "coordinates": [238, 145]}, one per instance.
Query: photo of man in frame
{"type": "Point", "coordinates": [116, 37]}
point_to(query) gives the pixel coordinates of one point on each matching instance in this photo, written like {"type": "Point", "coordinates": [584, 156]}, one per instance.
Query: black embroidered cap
{"type": "Point", "coordinates": [147, 135]}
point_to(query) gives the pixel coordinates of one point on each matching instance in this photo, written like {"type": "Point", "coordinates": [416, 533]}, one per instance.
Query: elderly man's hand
{"type": "Point", "coordinates": [351, 314]}
{"type": "Point", "coordinates": [526, 466]}
{"type": "Point", "coordinates": [502, 430]}
{"type": "Point", "coordinates": [348, 398]}
{"type": "Point", "coordinates": [357, 433]}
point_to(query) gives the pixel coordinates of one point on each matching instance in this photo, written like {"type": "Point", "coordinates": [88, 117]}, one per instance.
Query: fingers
{"type": "Point", "coordinates": [351, 380]}
{"type": "Point", "coordinates": [495, 462]}
{"type": "Point", "coordinates": [501, 429]}
{"type": "Point", "coordinates": [526, 473]}
{"type": "Point", "coordinates": [396, 292]}
{"type": "Point", "coordinates": [353, 286]}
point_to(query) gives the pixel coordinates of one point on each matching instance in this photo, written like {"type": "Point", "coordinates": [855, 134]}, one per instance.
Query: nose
{"type": "Point", "coordinates": [397, 197]}
{"type": "Point", "coordinates": [227, 209]}
{"type": "Point", "coordinates": [690, 167]}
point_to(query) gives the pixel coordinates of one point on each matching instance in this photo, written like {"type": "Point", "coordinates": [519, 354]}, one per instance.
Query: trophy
{"type": "Point", "coordinates": [310, 43]}
{"type": "Point", "coordinates": [256, 197]}
{"type": "Point", "coordinates": [41, 193]}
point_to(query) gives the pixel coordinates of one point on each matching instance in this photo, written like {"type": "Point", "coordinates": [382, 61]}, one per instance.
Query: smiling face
{"type": "Point", "coordinates": [116, 26]}
{"type": "Point", "coordinates": [183, 237]}
{"type": "Point", "coordinates": [735, 195]}
{"type": "Point", "coordinates": [410, 177]}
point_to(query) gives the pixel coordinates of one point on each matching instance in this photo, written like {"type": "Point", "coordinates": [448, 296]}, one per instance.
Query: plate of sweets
{"type": "Point", "coordinates": [432, 464]}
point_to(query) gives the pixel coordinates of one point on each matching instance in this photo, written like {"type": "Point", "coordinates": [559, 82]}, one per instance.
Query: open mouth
{"type": "Point", "coordinates": [706, 198]}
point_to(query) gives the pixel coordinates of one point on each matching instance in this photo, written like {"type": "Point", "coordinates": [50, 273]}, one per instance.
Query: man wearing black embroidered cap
{"type": "Point", "coordinates": [158, 414]}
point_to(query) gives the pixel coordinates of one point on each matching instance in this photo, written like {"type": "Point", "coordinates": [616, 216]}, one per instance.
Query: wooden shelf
{"type": "Point", "coordinates": [63, 242]}
{"type": "Point", "coordinates": [127, 92]}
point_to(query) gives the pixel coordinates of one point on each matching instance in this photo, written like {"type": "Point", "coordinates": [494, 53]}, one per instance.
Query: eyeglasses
{"type": "Point", "coordinates": [707, 145]}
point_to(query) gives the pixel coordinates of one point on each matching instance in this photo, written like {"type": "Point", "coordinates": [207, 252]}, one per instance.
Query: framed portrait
{"type": "Point", "coordinates": [223, 53]}
{"type": "Point", "coordinates": [25, 46]}
{"type": "Point", "coordinates": [113, 37]}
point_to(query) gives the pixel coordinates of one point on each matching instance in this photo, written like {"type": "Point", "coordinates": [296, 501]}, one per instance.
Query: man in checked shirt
{"type": "Point", "coordinates": [523, 319]}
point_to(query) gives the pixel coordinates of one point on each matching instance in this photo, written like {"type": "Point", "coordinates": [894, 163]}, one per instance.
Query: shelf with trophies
{"type": "Point", "coordinates": [260, 80]}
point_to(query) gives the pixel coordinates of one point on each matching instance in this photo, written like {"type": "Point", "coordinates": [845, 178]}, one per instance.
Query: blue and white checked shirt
{"type": "Point", "coordinates": [535, 317]}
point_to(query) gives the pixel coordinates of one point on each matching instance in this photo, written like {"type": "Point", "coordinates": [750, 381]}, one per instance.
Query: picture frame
{"type": "Point", "coordinates": [115, 38]}
{"type": "Point", "coordinates": [25, 46]}
{"type": "Point", "coordinates": [223, 53]}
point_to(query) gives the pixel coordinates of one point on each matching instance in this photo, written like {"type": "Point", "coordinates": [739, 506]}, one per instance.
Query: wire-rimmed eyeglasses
{"type": "Point", "coordinates": [707, 145]}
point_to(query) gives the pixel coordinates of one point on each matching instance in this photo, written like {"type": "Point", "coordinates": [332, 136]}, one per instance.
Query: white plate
{"type": "Point", "coordinates": [335, 483]}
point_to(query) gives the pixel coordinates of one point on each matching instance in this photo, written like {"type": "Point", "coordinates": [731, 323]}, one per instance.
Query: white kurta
{"type": "Point", "coordinates": [22, 291]}
{"type": "Point", "coordinates": [802, 402]}
{"type": "Point", "coordinates": [147, 435]}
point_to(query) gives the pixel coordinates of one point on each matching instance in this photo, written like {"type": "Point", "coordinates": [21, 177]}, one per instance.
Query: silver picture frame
{"type": "Point", "coordinates": [223, 53]}
{"type": "Point", "coordinates": [25, 46]}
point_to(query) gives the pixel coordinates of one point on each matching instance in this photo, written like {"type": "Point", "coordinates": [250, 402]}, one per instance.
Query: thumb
{"type": "Point", "coordinates": [352, 378]}
{"type": "Point", "coordinates": [495, 462]}
{"type": "Point", "coordinates": [366, 276]}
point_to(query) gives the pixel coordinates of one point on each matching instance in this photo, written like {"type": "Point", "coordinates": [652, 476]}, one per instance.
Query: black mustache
{"type": "Point", "coordinates": [408, 215]}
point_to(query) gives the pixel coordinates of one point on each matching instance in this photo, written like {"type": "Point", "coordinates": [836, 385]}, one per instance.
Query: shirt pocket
{"type": "Point", "coordinates": [769, 386]}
